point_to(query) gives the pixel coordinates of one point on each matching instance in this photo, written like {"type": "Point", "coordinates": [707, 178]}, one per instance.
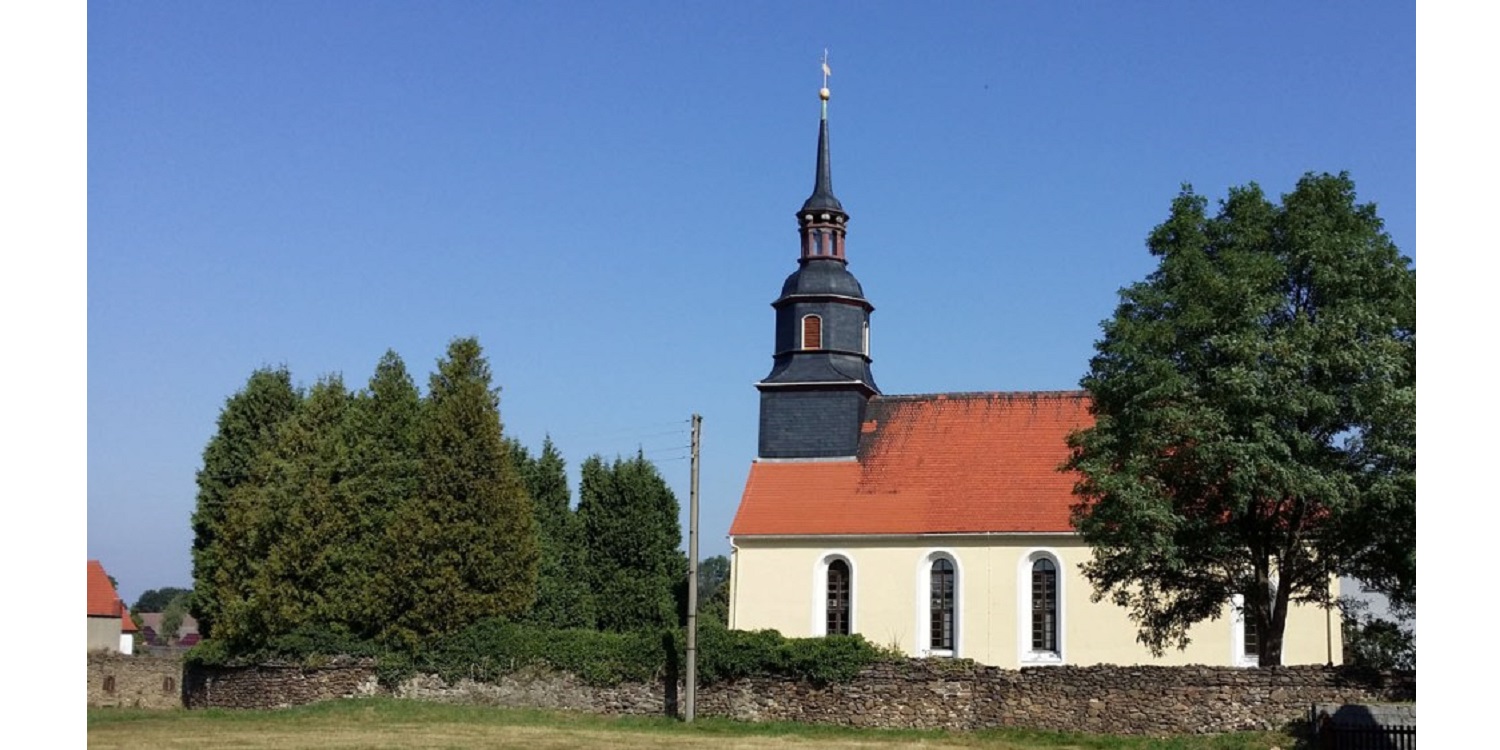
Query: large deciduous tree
{"type": "Point", "coordinates": [1254, 403]}
{"type": "Point", "coordinates": [247, 426]}
{"type": "Point", "coordinates": [465, 547]}
{"type": "Point", "coordinates": [632, 533]}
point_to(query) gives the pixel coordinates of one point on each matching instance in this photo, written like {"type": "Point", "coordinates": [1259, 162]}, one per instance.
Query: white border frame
{"type": "Point", "coordinates": [820, 593]}
{"type": "Point", "coordinates": [802, 334]}
{"type": "Point", "coordinates": [1025, 656]}
{"type": "Point", "coordinates": [923, 645]}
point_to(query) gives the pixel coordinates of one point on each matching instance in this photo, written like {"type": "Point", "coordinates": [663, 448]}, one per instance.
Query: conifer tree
{"type": "Point", "coordinates": [304, 529]}
{"type": "Point", "coordinates": [387, 466]}
{"type": "Point", "coordinates": [465, 547]}
{"type": "Point", "coordinates": [563, 596]}
{"type": "Point", "coordinates": [246, 427]}
{"type": "Point", "coordinates": [631, 531]}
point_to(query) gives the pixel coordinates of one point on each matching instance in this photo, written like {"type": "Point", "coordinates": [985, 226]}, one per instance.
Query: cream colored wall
{"type": "Point", "coordinates": [104, 633]}
{"type": "Point", "coordinates": [778, 584]}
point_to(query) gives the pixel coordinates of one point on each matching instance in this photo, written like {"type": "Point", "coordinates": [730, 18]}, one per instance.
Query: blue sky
{"type": "Point", "coordinates": [603, 194]}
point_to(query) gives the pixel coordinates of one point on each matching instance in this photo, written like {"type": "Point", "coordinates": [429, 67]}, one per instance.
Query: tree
{"type": "Point", "coordinates": [632, 533]}
{"type": "Point", "coordinates": [563, 596]}
{"type": "Point", "coordinates": [172, 616]}
{"type": "Point", "coordinates": [713, 588]}
{"type": "Point", "coordinates": [302, 527]}
{"type": "Point", "coordinates": [713, 572]}
{"type": "Point", "coordinates": [465, 547]}
{"type": "Point", "coordinates": [384, 419]}
{"type": "Point", "coordinates": [246, 427]}
{"type": "Point", "coordinates": [1254, 402]}
{"type": "Point", "coordinates": [1376, 642]}
{"type": "Point", "coordinates": [156, 600]}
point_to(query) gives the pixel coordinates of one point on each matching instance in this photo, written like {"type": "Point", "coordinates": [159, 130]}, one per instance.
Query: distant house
{"type": "Point", "coordinates": [151, 631]}
{"type": "Point", "coordinates": [107, 629]}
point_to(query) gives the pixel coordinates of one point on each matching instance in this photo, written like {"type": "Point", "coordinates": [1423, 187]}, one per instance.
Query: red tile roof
{"type": "Point", "coordinates": [127, 625]}
{"type": "Point", "coordinates": [103, 600]}
{"type": "Point", "coordinates": [942, 463]}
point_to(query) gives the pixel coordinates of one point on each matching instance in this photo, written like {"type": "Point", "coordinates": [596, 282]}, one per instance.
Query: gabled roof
{"type": "Point", "coordinates": [127, 625]}
{"type": "Point", "coordinates": [104, 601]}
{"type": "Point", "coordinates": [152, 622]}
{"type": "Point", "coordinates": [930, 464]}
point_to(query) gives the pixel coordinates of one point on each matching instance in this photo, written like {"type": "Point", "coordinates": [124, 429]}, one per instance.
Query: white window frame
{"type": "Point", "coordinates": [802, 334]}
{"type": "Point", "coordinates": [1237, 655]}
{"type": "Point", "coordinates": [820, 593]}
{"type": "Point", "coordinates": [924, 604]}
{"type": "Point", "coordinates": [1025, 655]}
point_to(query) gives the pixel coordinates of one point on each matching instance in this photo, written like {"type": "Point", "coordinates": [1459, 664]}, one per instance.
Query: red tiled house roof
{"type": "Point", "coordinates": [127, 625]}
{"type": "Point", "coordinates": [104, 601]}
{"type": "Point", "coordinates": [929, 464]}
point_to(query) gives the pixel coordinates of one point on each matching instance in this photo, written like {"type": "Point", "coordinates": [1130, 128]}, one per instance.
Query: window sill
{"type": "Point", "coordinates": [1041, 659]}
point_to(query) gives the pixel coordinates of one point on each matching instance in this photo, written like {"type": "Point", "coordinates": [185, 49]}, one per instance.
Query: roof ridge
{"type": "Point", "coordinates": [1076, 393]}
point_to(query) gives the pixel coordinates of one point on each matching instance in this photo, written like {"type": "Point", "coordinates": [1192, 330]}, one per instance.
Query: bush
{"type": "Point", "coordinates": [725, 654]}
{"type": "Point", "coordinates": [491, 649]}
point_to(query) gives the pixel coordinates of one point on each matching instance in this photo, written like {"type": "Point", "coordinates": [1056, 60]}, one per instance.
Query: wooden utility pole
{"type": "Point", "coordinates": [692, 614]}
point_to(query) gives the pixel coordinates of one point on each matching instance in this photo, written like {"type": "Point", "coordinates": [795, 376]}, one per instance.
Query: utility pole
{"type": "Point", "coordinates": [692, 617]}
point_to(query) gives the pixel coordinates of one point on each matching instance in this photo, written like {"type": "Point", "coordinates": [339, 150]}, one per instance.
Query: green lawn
{"type": "Point", "coordinates": [389, 723]}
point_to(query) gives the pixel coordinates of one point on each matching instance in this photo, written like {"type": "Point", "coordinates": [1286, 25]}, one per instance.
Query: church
{"type": "Point", "coordinates": [935, 524]}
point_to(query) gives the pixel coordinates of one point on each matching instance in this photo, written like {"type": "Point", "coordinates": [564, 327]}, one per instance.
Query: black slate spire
{"type": "Point", "coordinates": [821, 219]}
{"type": "Point", "coordinates": [822, 198]}
{"type": "Point", "coordinates": [813, 401]}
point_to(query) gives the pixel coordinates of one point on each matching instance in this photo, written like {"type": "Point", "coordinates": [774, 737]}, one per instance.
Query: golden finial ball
{"type": "Point", "coordinates": [823, 93]}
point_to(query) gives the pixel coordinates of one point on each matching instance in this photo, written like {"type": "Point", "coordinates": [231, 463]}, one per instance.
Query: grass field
{"type": "Point", "coordinates": [388, 723]}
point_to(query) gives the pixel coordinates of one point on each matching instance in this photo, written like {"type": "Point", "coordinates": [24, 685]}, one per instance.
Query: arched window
{"type": "Point", "coordinates": [812, 332]}
{"type": "Point", "coordinates": [838, 598]}
{"type": "Point", "coordinates": [866, 335]}
{"type": "Point", "coordinates": [1044, 606]}
{"type": "Point", "coordinates": [1245, 636]}
{"type": "Point", "coordinates": [1251, 651]}
{"type": "Point", "coordinates": [1040, 585]}
{"type": "Point", "coordinates": [941, 590]}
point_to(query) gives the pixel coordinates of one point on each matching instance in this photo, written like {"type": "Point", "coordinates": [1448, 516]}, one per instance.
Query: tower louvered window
{"type": "Point", "coordinates": [838, 598]}
{"type": "Point", "coordinates": [812, 332]}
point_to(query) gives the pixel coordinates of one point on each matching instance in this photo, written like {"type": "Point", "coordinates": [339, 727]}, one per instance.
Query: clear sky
{"type": "Point", "coordinates": [603, 193]}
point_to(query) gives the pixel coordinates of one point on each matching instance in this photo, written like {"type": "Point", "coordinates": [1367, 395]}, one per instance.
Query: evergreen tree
{"type": "Point", "coordinates": [246, 427]}
{"type": "Point", "coordinates": [465, 547]}
{"type": "Point", "coordinates": [563, 596]}
{"type": "Point", "coordinates": [1255, 415]}
{"type": "Point", "coordinates": [385, 419]}
{"type": "Point", "coordinates": [304, 528]}
{"type": "Point", "coordinates": [631, 532]}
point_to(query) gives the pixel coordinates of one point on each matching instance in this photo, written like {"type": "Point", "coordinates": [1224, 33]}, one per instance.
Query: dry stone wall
{"type": "Point", "coordinates": [917, 693]}
{"type": "Point", "coordinates": [277, 685]}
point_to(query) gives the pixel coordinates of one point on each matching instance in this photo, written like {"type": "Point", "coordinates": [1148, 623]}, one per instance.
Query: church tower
{"type": "Point", "coordinates": [813, 401]}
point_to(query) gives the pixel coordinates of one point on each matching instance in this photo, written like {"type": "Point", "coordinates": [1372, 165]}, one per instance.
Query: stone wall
{"type": "Point", "coordinates": [277, 685]}
{"type": "Point", "coordinates": [917, 693]}
{"type": "Point", "coordinates": [117, 679]}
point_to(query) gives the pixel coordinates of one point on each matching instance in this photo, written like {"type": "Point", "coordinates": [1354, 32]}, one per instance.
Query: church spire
{"type": "Point", "coordinates": [813, 401]}
{"type": "Point", "coordinates": [822, 216]}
